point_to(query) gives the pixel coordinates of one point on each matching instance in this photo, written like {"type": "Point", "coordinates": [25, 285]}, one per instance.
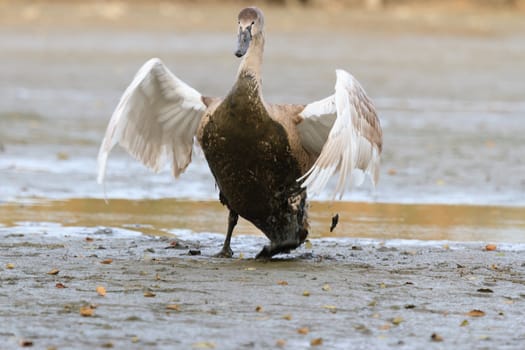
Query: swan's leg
{"type": "Point", "coordinates": [226, 251]}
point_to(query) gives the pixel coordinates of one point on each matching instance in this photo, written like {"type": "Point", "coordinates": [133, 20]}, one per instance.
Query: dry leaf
{"type": "Point", "coordinates": [259, 308]}
{"type": "Point", "coordinates": [476, 313]}
{"type": "Point", "coordinates": [397, 320]}
{"type": "Point", "coordinates": [87, 311]}
{"type": "Point", "coordinates": [280, 343]}
{"type": "Point", "coordinates": [306, 293]}
{"type": "Point", "coordinates": [62, 156]}
{"type": "Point", "coordinates": [10, 266]}
{"type": "Point", "coordinates": [89, 239]}
{"type": "Point", "coordinates": [303, 330]}
{"type": "Point", "coordinates": [282, 283]}
{"type": "Point", "coordinates": [287, 317]}
{"type": "Point", "coordinates": [316, 342]}
{"type": "Point", "coordinates": [464, 323]}
{"type": "Point", "coordinates": [107, 261]}
{"type": "Point", "coordinates": [174, 307]}
{"type": "Point", "coordinates": [149, 294]}
{"type": "Point", "coordinates": [60, 285]}
{"type": "Point", "coordinates": [26, 343]}
{"type": "Point", "coordinates": [135, 339]}
{"type": "Point", "coordinates": [326, 287]}
{"type": "Point", "coordinates": [203, 345]}
{"type": "Point", "coordinates": [250, 269]}
{"type": "Point", "coordinates": [53, 272]}
{"type": "Point", "coordinates": [308, 245]}
{"type": "Point", "coordinates": [436, 337]}
{"type": "Point", "coordinates": [392, 171]}
{"type": "Point", "coordinates": [385, 327]}
{"type": "Point", "coordinates": [101, 291]}
{"type": "Point", "coordinates": [490, 247]}
{"type": "Point", "coordinates": [332, 308]}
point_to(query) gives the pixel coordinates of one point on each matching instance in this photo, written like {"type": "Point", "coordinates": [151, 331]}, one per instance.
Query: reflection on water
{"type": "Point", "coordinates": [367, 220]}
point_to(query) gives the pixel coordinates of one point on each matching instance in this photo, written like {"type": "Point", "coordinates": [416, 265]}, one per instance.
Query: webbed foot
{"type": "Point", "coordinates": [277, 248]}
{"type": "Point", "coordinates": [226, 252]}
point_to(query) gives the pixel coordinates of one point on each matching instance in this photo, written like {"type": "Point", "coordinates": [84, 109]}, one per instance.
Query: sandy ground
{"type": "Point", "coordinates": [340, 294]}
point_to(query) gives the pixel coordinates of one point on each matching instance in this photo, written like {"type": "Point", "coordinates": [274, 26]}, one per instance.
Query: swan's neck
{"type": "Point", "coordinates": [251, 63]}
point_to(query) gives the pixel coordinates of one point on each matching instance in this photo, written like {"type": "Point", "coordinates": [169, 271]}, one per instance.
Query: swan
{"type": "Point", "coordinates": [264, 157]}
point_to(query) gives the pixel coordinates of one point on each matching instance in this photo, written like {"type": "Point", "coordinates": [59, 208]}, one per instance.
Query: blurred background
{"type": "Point", "coordinates": [447, 78]}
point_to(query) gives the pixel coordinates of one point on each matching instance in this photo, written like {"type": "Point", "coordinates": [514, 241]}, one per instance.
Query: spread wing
{"type": "Point", "coordinates": [344, 131]}
{"type": "Point", "coordinates": [155, 121]}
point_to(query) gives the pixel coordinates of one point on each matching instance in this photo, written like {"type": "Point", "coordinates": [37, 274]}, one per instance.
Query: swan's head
{"type": "Point", "coordinates": [251, 23]}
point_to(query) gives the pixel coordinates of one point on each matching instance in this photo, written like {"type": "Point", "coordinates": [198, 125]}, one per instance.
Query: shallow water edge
{"type": "Point", "coordinates": [381, 221]}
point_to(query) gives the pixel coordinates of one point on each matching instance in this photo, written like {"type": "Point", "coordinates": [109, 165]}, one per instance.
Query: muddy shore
{"type": "Point", "coordinates": [449, 90]}
{"type": "Point", "coordinates": [334, 294]}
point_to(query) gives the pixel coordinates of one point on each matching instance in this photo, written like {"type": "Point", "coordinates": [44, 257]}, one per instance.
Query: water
{"type": "Point", "coordinates": [451, 105]}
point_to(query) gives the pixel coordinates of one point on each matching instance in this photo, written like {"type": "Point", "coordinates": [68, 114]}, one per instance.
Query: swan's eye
{"type": "Point", "coordinates": [253, 22]}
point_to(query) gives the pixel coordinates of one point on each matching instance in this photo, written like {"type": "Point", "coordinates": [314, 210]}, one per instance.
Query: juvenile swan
{"type": "Point", "coordinates": [264, 157]}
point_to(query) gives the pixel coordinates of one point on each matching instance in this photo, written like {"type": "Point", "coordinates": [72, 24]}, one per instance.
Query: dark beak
{"type": "Point", "coordinates": [245, 36]}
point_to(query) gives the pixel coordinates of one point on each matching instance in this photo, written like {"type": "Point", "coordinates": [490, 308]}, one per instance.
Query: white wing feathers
{"type": "Point", "coordinates": [155, 121]}
{"type": "Point", "coordinates": [344, 131]}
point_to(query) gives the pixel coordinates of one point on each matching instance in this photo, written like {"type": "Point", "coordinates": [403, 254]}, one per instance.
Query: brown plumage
{"type": "Point", "coordinates": [264, 157]}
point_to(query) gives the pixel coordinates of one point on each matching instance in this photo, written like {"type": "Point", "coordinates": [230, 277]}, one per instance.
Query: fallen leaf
{"type": "Point", "coordinates": [53, 272]}
{"type": "Point", "coordinates": [382, 285]}
{"type": "Point", "coordinates": [107, 261]}
{"type": "Point", "coordinates": [149, 294]}
{"type": "Point", "coordinates": [135, 339]}
{"type": "Point", "coordinates": [204, 345]}
{"type": "Point", "coordinates": [490, 247]}
{"type": "Point", "coordinates": [397, 321]}
{"type": "Point", "coordinates": [287, 317]}
{"type": "Point", "coordinates": [108, 345]}
{"type": "Point", "coordinates": [436, 337]}
{"type": "Point", "coordinates": [485, 290]}
{"type": "Point", "coordinates": [385, 327]}
{"type": "Point", "coordinates": [87, 311]}
{"type": "Point", "coordinates": [62, 156]}
{"type": "Point", "coordinates": [332, 308]}
{"type": "Point", "coordinates": [303, 330]}
{"type": "Point", "coordinates": [26, 343]}
{"type": "Point", "coordinates": [464, 323]}
{"type": "Point", "coordinates": [476, 313]}
{"type": "Point", "coordinates": [250, 269]}
{"type": "Point", "coordinates": [306, 293]}
{"type": "Point", "coordinates": [280, 343]}
{"type": "Point", "coordinates": [326, 287]}
{"type": "Point", "coordinates": [60, 285]}
{"type": "Point", "coordinates": [392, 171]}
{"type": "Point", "coordinates": [282, 283]}
{"type": "Point", "coordinates": [89, 239]}
{"type": "Point", "coordinates": [174, 307]}
{"type": "Point", "coordinates": [316, 342]}
{"type": "Point", "coordinates": [259, 308]}
{"type": "Point", "coordinates": [101, 291]}
{"type": "Point", "coordinates": [308, 245]}
{"type": "Point", "coordinates": [10, 266]}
